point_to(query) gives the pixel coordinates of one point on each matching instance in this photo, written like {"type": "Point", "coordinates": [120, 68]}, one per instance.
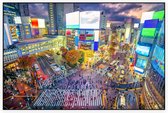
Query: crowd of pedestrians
{"type": "Point", "coordinates": [69, 98]}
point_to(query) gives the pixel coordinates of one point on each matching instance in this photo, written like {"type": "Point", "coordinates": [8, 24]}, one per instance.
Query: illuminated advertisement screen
{"type": "Point", "coordinates": [147, 16]}
{"type": "Point", "coordinates": [136, 25]}
{"type": "Point", "coordinates": [142, 50]}
{"type": "Point", "coordinates": [158, 15]}
{"type": "Point", "coordinates": [158, 60]}
{"type": "Point", "coordinates": [72, 20]}
{"type": "Point", "coordinates": [13, 32]}
{"type": "Point", "coordinates": [148, 32]}
{"type": "Point", "coordinates": [96, 46]}
{"type": "Point", "coordinates": [41, 23]}
{"type": "Point", "coordinates": [27, 31]}
{"type": "Point", "coordinates": [90, 20]}
{"type": "Point", "coordinates": [158, 54]}
{"type": "Point", "coordinates": [137, 69]}
{"type": "Point", "coordinates": [89, 34]}
{"type": "Point", "coordinates": [26, 20]}
{"type": "Point", "coordinates": [34, 23]}
{"type": "Point", "coordinates": [18, 31]}
{"type": "Point", "coordinates": [35, 32]}
{"type": "Point", "coordinates": [150, 23]}
{"type": "Point", "coordinates": [141, 63]}
{"type": "Point", "coordinates": [96, 34]}
{"type": "Point", "coordinates": [17, 20]}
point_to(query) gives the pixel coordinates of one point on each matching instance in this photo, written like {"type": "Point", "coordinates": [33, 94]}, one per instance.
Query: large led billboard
{"type": "Point", "coordinates": [158, 60]}
{"type": "Point", "coordinates": [90, 20]}
{"type": "Point", "coordinates": [159, 53]}
{"type": "Point", "coordinates": [34, 22]}
{"type": "Point", "coordinates": [96, 35]}
{"type": "Point", "coordinates": [72, 20]}
{"type": "Point", "coordinates": [13, 32]}
{"type": "Point", "coordinates": [26, 20]}
{"type": "Point", "coordinates": [148, 32]}
{"type": "Point", "coordinates": [17, 20]}
{"type": "Point", "coordinates": [141, 63]}
{"type": "Point", "coordinates": [147, 16]}
{"type": "Point", "coordinates": [151, 23]}
{"type": "Point", "coordinates": [136, 25]}
{"type": "Point", "coordinates": [142, 50]}
{"type": "Point", "coordinates": [35, 32]}
{"type": "Point", "coordinates": [41, 23]}
{"type": "Point", "coordinates": [158, 15]}
{"type": "Point", "coordinates": [138, 69]}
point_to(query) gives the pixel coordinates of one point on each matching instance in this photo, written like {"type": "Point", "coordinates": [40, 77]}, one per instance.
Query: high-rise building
{"type": "Point", "coordinates": [59, 11]}
{"type": "Point", "coordinates": [128, 28]}
{"type": "Point", "coordinates": [52, 15]}
{"type": "Point", "coordinates": [57, 17]}
{"type": "Point", "coordinates": [10, 11]}
{"type": "Point", "coordinates": [150, 61]}
{"type": "Point", "coordinates": [24, 9]}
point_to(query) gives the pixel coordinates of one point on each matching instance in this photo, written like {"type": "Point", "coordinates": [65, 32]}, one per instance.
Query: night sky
{"type": "Point", "coordinates": [114, 11]}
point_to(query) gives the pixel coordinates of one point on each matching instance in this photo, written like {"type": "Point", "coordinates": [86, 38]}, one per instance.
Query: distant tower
{"type": "Point", "coordinates": [57, 17]}
{"type": "Point", "coordinates": [24, 9]}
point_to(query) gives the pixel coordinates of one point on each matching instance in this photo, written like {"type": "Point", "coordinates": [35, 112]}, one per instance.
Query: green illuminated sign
{"type": "Point", "coordinates": [148, 32]}
{"type": "Point", "coordinates": [158, 15]}
{"type": "Point", "coordinates": [89, 38]}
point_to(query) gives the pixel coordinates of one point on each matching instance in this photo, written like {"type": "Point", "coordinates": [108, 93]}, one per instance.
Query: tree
{"type": "Point", "coordinates": [72, 56]}
{"type": "Point", "coordinates": [25, 62]}
{"type": "Point", "coordinates": [113, 44]}
{"type": "Point", "coordinates": [9, 74]}
{"type": "Point", "coordinates": [64, 51]}
{"type": "Point", "coordinates": [126, 47]}
{"type": "Point", "coordinates": [112, 50]}
{"type": "Point", "coordinates": [81, 59]}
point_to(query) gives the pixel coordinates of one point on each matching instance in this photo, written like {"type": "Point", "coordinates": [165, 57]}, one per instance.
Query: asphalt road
{"type": "Point", "coordinates": [45, 66]}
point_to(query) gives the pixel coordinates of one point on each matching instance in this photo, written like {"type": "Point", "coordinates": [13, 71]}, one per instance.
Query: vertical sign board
{"type": "Point", "coordinates": [27, 31]}
{"type": "Point", "coordinates": [96, 45]}
{"type": "Point", "coordinates": [13, 32]}
{"type": "Point", "coordinates": [34, 22]}
{"type": "Point", "coordinates": [76, 40]}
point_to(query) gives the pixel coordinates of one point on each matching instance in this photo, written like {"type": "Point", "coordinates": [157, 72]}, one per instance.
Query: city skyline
{"type": "Point", "coordinates": [84, 56]}
{"type": "Point", "coordinates": [115, 12]}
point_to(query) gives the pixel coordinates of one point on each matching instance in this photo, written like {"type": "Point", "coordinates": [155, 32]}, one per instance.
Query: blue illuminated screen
{"type": "Point", "coordinates": [141, 63]}
{"type": "Point", "coordinates": [159, 53]}
{"type": "Point", "coordinates": [143, 50]}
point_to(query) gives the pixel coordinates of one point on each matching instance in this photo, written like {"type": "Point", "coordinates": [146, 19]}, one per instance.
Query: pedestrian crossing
{"type": "Point", "coordinates": [66, 98]}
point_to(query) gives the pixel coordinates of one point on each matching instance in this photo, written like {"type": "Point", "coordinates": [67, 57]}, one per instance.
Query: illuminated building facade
{"type": "Point", "coordinates": [9, 11]}
{"type": "Point", "coordinates": [152, 32]}
{"type": "Point", "coordinates": [28, 48]}
{"type": "Point", "coordinates": [34, 47]}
